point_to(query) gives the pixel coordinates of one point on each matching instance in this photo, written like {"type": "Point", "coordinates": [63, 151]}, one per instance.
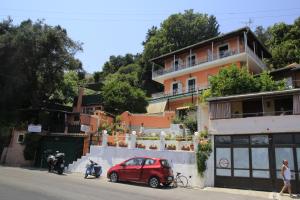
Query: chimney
{"type": "Point", "coordinates": [79, 99]}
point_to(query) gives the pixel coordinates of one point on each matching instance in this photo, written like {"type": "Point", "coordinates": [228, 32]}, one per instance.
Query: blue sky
{"type": "Point", "coordinates": [114, 27]}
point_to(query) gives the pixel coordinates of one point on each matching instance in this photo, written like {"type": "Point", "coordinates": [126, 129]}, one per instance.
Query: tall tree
{"type": "Point", "coordinates": [121, 93]}
{"type": "Point", "coordinates": [283, 41]}
{"type": "Point", "coordinates": [33, 59]}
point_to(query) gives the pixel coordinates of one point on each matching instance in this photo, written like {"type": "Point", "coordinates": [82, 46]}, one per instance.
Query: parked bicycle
{"type": "Point", "coordinates": [181, 180]}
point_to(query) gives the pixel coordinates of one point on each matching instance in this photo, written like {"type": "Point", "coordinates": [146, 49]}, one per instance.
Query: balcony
{"type": "Point", "coordinates": [212, 60]}
{"type": "Point", "coordinates": [266, 112]}
{"type": "Point", "coordinates": [179, 92]}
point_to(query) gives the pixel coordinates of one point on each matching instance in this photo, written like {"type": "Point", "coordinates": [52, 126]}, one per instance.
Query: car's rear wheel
{"type": "Point", "coordinates": [154, 182]}
{"type": "Point", "coordinates": [114, 177]}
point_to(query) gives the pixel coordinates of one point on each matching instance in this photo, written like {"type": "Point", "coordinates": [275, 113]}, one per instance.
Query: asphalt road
{"type": "Point", "coordinates": [33, 184]}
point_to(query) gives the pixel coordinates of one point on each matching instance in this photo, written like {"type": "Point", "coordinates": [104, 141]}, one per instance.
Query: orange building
{"type": "Point", "coordinates": [185, 72]}
{"type": "Point", "coordinates": [134, 122]}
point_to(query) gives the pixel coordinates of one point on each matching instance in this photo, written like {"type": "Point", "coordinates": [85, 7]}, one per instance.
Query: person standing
{"type": "Point", "coordinates": [286, 175]}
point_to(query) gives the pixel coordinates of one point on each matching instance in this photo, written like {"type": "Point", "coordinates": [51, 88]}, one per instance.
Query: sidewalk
{"type": "Point", "coordinates": [252, 193]}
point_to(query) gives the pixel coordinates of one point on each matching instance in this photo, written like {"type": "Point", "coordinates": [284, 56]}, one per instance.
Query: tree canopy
{"type": "Point", "coordinates": [233, 80]}
{"type": "Point", "coordinates": [283, 41]}
{"type": "Point", "coordinates": [121, 93]}
{"type": "Point", "coordinates": [33, 58]}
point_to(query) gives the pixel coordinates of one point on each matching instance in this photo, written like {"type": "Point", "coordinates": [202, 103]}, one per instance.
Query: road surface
{"type": "Point", "coordinates": [34, 184]}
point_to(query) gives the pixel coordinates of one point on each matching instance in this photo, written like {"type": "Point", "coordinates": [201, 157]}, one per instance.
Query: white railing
{"type": "Point", "coordinates": [184, 65]}
{"type": "Point", "coordinates": [184, 90]}
{"type": "Point", "coordinates": [255, 57]}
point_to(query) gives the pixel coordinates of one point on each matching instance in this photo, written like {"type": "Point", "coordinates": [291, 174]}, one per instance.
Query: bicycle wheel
{"type": "Point", "coordinates": [181, 181]}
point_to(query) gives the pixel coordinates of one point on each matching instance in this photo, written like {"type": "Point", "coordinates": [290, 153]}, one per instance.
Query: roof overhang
{"type": "Point", "coordinates": [255, 95]}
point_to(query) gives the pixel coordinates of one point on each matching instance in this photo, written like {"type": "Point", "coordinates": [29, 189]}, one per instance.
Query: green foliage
{"type": "Point", "coordinates": [33, 59]}
{"type": "Point", "coordinates": [121, 91]}
{"type": "Point", "coordinates": [32, 142]}
{"type": "Point", "coordinates": [5, 136]}
{"type": "Point", "coordinates": [233, 80]}
{"type": "Point", "coordinates": [115, 62]}
{"type": "Point", "coordinates": [283, 41]}
{"type": "Point", "coordinates": [202, 154]}
{"type": "Point", "coordinates": [176, 120]}
{"type": "Point", "coordinates": [190, 122]}
{"type": "Point", "coordinates": [119, 96]}
{"type": "Point", "coordinates": [204, 95]}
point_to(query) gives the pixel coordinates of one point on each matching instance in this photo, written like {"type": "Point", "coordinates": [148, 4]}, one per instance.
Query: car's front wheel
{"type": "Point", "coordinates": [154, 182]}
{"type": "Point", "coordinates": [114, 177]}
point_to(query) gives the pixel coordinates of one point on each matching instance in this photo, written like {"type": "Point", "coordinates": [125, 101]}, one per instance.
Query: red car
{"type": "Point", "coordinates": [152, 171]}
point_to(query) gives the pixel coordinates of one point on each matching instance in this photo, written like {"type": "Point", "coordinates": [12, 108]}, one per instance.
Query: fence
{"type": "Point", "coordinates": [132, 141]}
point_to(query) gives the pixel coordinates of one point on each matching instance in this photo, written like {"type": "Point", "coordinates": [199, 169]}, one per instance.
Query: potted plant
{"type": "Point", "coordinates": [111, 144]}
{"type": "Point", "coordinates": [140, 146]}
{"type": "Point", "coordinates": [192, 147]}
{"type": "Point", "coordinates": [153, 147]}
{"type": "Point", "coordinates": [185, 148]}
{"type": "Point", "coordinates": [171, 147]}
{"type": "Point", "coordinates": [123, 144]}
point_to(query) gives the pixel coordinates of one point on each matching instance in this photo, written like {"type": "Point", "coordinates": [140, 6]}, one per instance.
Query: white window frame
{"type": "Point", "coordinates": [187, 59]}
{"type": "Point", "coordinates": [18, 141]}
{"type": "Point", "coordinates": [187, 83]}
{"type": "Point", "coordinates": [175, 82]}
{"type": "Point", "coordinates": [179, 62]}
{"type": "Point", "coordinates": [222, 45]}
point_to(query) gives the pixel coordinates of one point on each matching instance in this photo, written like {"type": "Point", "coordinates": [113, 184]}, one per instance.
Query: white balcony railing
{"type": "Point", "coordinates": [184, 65]}
{"type": "Point", "coordinates": [184, 90]}
{"type": "Point", "coordinates": [260, 124]}
{"type": "Point", "coordinates": [255, 57]}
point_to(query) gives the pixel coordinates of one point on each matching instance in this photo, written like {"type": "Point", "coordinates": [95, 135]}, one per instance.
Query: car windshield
{"type": "Point", "coordinates": [165, 163]}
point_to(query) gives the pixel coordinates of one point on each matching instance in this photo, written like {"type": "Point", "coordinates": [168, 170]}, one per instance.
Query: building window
{"type": "Point", "coordinates": [223, 51]}
{"type": "Point", "coordinates": [191, 60]}
{"type": "Point", "coordinates": [191, 86]}
{"type": "Point", "coordinates": [175, 88]}
{"type": "Point", "coordinates": [21, 138]}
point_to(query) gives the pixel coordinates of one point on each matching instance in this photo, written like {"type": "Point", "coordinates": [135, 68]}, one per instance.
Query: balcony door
{"type": "Point", "coordinates": [223, 50]}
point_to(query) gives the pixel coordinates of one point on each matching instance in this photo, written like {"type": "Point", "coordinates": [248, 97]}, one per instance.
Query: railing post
{"type": "Point", "coordinates": [162, 141]}
{"type": "Point", "coordinates": [104, 138]}
{"type": "Point", "coordinates": [132, 140]}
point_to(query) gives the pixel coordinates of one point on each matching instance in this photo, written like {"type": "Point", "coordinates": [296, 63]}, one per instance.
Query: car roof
{"type": "Point", "coordinates": [147, 157]}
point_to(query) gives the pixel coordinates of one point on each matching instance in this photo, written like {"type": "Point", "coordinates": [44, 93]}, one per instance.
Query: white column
{"type": "Point", "coordinates": [162, 141]}
{"type": "Point", "coordinates": [104, 138]}
{"type": "Point", "coordinates": [132, 142]}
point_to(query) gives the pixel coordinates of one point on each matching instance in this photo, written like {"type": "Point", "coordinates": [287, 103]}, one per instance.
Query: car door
{"type": "Point", "coordinates": [132, 169]}
{"type": "Point", "coordinates": [147, 170]}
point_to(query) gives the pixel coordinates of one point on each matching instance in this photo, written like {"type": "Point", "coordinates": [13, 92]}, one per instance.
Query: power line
{"type": "Point", "coordinates": [145, 19]}
{"type": "Point", "coordinates": [145, 12]}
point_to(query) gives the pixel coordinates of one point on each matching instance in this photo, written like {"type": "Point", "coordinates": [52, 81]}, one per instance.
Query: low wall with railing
{"type": "Point", "coordinates": [125, 147]}
{"type": "Point", "coordinates": [180, 161]}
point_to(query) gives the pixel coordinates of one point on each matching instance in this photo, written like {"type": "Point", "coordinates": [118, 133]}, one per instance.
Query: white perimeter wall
{"type": "Point", "coordinates": [263, 124]}
{"type": "Point", "coordinates": [183, 162]}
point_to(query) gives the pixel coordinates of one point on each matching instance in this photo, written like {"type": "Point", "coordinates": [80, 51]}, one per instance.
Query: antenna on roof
{"type": "Point", "coordinates": [248, 23]}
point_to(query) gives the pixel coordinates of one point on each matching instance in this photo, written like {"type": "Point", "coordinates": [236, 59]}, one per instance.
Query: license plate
{"type": "Point", "coordinates": [170, 178]}
{"type": "Point", "coordinates": [62, 165]}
